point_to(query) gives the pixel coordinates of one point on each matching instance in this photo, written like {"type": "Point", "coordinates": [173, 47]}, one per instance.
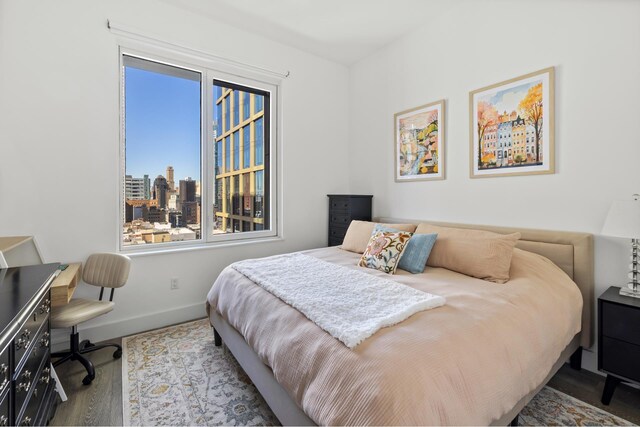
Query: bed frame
{"type": "Point", "coordinates": [571, 251]}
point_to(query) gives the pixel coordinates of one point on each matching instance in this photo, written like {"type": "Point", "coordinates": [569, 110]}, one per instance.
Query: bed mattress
{"type": "Point", "coordinates": [467, 362]}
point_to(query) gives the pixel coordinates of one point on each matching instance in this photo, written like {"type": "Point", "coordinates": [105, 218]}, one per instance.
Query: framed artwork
{"type": "Point", "coordinates": [511, 127]}
{"type": "Point", "coordinates": [419, 143]}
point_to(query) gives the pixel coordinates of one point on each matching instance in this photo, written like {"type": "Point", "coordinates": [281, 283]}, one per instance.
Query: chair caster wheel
{"type": "Point", "coordinates": [87, 380]}
{"type": "Point", "coordinates": [117, 354]}
{"type": "Point", "coordinates": [86, 344]}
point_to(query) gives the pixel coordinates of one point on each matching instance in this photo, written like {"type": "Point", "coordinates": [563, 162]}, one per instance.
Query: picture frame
{"type": "Point", "coordinates": [419, 145]}
{"type": "Point", "coordinates": [511, 127]}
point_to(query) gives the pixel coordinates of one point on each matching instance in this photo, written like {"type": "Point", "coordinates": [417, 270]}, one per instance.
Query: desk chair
{"type": "Point", "coordinates": [104, 270]}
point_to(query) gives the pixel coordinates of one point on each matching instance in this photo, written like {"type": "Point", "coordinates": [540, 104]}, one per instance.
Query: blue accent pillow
{"type": "Point", "coordinates": [416, 253]}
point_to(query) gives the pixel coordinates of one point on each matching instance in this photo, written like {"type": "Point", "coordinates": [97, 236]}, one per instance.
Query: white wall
{"type": "Point", "coordinates": [594, 47]}
{"type": "Point", "coordinates": [59, 145]}
{"type": "Point", "coordinates": [59, 130]}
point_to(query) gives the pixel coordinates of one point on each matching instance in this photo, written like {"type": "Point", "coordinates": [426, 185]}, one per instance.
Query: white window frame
{"type": "Point", "coordinates": [209, 69]}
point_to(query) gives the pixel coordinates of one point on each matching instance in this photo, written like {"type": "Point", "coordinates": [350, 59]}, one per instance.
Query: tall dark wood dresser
{"type": "Point", "coordinates": [26, 387]}
{"type": "Point", "coordinates": [344, 208]}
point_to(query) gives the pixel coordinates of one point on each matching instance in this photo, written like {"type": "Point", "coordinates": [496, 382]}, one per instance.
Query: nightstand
{"type": "Point", "coordinates": [618, 340]}
{"type": "Point", "coordinates": [344, 208]}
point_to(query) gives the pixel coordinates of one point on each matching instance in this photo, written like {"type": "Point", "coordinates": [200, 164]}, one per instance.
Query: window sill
{"type": "Point", "coordinates": [135, 253]}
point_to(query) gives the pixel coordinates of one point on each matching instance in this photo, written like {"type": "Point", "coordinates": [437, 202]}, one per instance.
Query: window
{"type": "Point", "coordinates": [259, 102]}
{"type": "Point", "coordinates": [227, 113]}
{"type": "Point", "coordinates": [247, 203]}
{"type": "Point", "coordinates": [227, 154]}
{"type": "Point", "coordinates": [236, 150]}
{"type": "Point", "coordinates": [218, 122]}
{"type": "Point", "coordinates": [192, 172]}
{"type": "Point", "coordinates": [218, 157]}
{"type": "Point", "coordinates": [259, 194]}
{"type": "Point", "coordinates": [160, 102]}
{"type": "Point", "coordinates": [249, 176]}
{"type": "Point", "coordinates": [246, 99]}
{"type": "Point", "coordinates": [236, 197]}
{"type": "Point", "coordinates": [259, 142]}
{"type": "Point", "coordinates": [236, 107]}
{"type": "Point", "coordinates": [246, 146]}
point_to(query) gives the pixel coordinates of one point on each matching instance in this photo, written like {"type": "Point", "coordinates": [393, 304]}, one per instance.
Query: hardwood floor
{"type": "Point", "coordinates": [98, 404]}
{"type": "Point", "coordinates": [101, 402]}
{"type": "Point", "coordinates": [587, 386]}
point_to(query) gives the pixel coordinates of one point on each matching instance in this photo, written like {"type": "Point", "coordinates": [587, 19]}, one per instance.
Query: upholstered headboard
{"type": "Point", "coordinates": [571, 251]}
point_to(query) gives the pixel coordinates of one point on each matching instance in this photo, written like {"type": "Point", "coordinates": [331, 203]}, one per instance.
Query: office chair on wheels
{"type": "Point", "coordinates": [106, 271]}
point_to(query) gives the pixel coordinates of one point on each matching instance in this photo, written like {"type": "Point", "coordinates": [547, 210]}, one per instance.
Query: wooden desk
{"type": "Point", "coordinates": [63, 286]}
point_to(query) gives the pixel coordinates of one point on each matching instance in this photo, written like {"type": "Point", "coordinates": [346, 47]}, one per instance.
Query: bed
{"type": "Point", "coordinates": [477, 360]}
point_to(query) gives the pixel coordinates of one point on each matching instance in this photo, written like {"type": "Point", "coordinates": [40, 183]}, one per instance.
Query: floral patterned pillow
{"type": "Point", "coordinates": [384, 250]}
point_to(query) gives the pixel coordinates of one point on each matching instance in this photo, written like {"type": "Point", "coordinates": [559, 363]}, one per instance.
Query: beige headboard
{"type": "Point", "coordinates": [571, 251]}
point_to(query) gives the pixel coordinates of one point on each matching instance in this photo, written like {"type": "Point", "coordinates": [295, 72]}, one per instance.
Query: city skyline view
{"type": "Point", "coordinates": [163, 181]}
{"type": "Point", "coordinates": [162, 114]}
{"type": "Point", "coordinates": [162, 153]}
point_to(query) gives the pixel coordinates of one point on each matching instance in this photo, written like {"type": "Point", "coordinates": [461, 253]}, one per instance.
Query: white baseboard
{"type": "Point", "coordinates": [129, 326]}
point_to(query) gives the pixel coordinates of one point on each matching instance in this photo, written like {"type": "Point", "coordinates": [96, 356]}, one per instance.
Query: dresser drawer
{"type": "Point", "coordinates": [27, 333]}
{"type": "Point", "coordinates": [30, 411]}
{"type": "Point", "coordinates": [337, 233]}
{"type": "Point", "coordinates": [621, 322]}
{"type": "Point", "coordinates": [4, 408]}
{"type": "Point", "coordinates": [621, 358]}
{"type": "Point", "coordinates": [335, 242]}
{"type": "Point", "coordinates": [339, 204]}
{"type": "Point", "coordinates": [5, 373]}
{"type": "Point", "coordinates": [28, 377]}
{"type": "Point", "coordinates": [339, 219]}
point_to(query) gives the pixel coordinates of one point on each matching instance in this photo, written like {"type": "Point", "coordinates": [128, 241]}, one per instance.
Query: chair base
{"type": "Point", "coordinates": [76, 351]}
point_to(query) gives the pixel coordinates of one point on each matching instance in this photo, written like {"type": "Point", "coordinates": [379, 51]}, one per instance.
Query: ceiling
{"type": "Point", "coordinates": [344, 31]}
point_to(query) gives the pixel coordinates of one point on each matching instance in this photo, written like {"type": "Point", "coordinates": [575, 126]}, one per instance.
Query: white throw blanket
{"type": "Point", "coordinates": [348, 304]}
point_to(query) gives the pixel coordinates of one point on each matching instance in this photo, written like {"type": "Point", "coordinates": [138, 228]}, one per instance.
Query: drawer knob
{"type": "Point", "coordinates": [4, 421]}
{"type": "Point", "coordinates": [26, 421]}
{"type": "Point", "coordinates": [26, 375]}
{"type": "Point", "coordinates": [4, 371]}
{"type": "Point", "coordinates": [23, 386]}
{"type": "Point", "coordinates": [46, 376]}
{"type": "Point", "coordinates": [22, 343]}
{"type": "Point", "coordinates": [44, 342]}
{"type": "Point", "coordinates": [45, 307]}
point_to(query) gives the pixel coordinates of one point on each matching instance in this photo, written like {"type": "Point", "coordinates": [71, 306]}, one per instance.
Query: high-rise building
{"type": "Point", "coordinates": [147, 187]}
{"type": "Point", "coordinates": [240, 146]}
{"type": "Point", "coordinates": [138, 209]}
{"type": "Point", "coordinates": [133, 188]}
{"type": "Point", "coordinates": [170, 182]}
{"type": "Point", "coordinates": [160, 188]}
{"type": "Point", "coordinates": [174, 202]}
{"type": "Point", "coordinates": [175, 219]}
{"type": "Point", "coordinates": [187, 190]}
{"type": "Point", "coordinates": [156, 215]}
{"type": "Point", "coordinates": [189, 212]}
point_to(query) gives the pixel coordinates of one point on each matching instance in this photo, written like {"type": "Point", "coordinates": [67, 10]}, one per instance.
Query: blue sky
{"type": "Point", "coordinates": [162, 125]}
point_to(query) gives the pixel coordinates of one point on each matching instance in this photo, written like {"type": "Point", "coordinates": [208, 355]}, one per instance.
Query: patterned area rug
{"type": "Point", "coordinates": [176, 376]}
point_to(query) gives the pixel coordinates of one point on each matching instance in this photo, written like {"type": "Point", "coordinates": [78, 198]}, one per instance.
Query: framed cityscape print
{"type": "Point", "coordinates": [511, 127]}
{"type": "Point", "coordinates": [419, 143]}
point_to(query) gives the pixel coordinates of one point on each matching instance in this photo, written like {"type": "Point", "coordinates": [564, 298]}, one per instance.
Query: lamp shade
{"type": "Point", "coordinates": [623, 220]}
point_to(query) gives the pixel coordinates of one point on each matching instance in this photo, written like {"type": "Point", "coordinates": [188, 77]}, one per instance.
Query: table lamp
{"type": "Point", "coordinates": [623, 220]}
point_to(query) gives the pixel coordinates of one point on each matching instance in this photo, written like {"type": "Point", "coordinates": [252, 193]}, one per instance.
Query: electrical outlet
{"type": "Point", "coordinates": [174, 283]}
